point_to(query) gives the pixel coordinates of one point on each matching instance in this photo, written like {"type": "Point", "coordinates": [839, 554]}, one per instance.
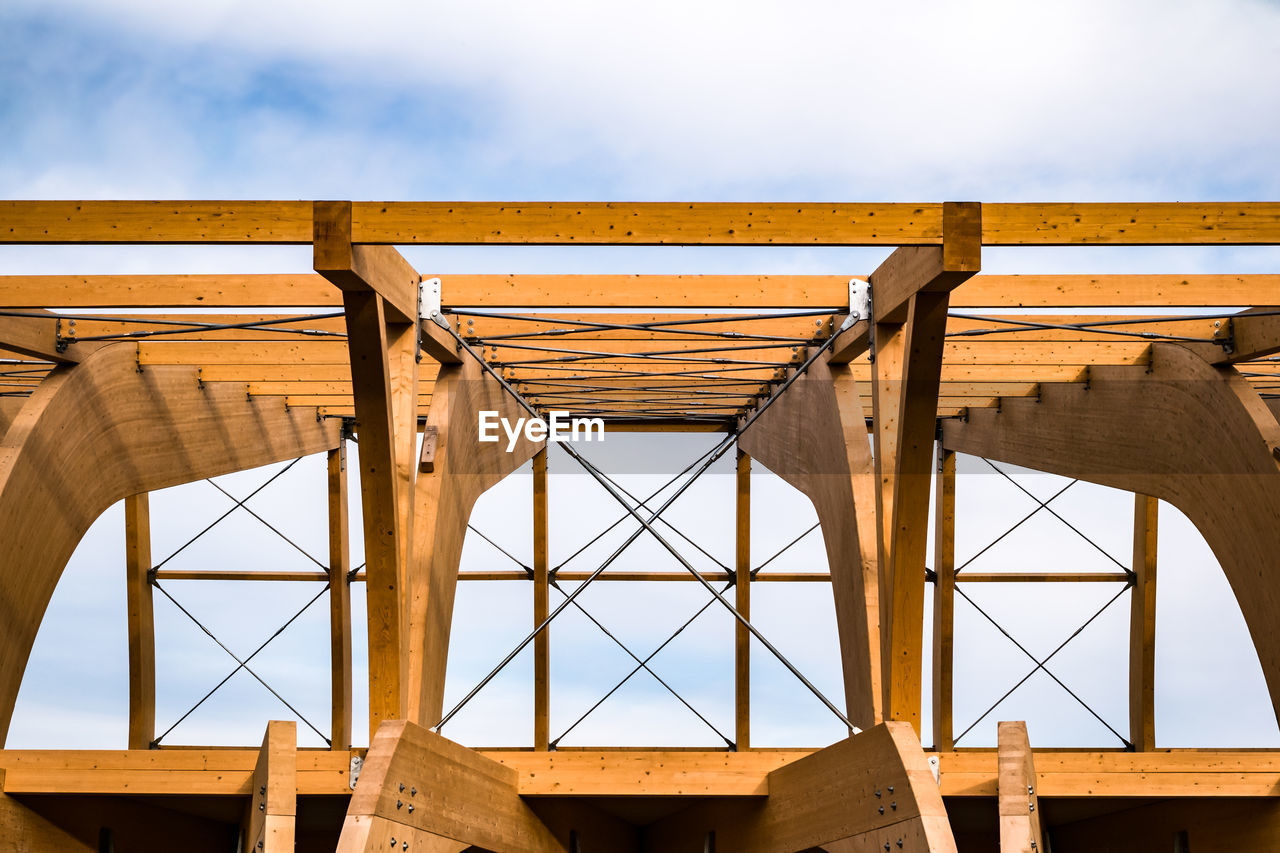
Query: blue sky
{"type": "Point", "coordinates": [993, 101]}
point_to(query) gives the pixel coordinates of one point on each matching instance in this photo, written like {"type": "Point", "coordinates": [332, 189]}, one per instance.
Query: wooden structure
{"type": "Point", "coordinates": [861, 403]}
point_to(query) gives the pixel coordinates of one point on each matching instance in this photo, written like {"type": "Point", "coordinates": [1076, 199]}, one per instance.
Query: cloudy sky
{"type": "Point", "coordinates": [993, 101]}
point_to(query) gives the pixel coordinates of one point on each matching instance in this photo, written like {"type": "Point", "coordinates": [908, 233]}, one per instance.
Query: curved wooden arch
{"type": "Point", "coordinates": [815, 438]}
{"type": "Point", "coordinates": [97, 432]}
{"type": "Point", "coordinates": [1179, 429]}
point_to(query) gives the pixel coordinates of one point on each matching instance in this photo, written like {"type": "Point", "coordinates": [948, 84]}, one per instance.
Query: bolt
{"type": "Point", "coordinates": [877, 793]}
{"type": "Point", "coordinates": [1031, 806]}
{"type": "Point", "coordinates": [881, 810]}
{"type": "Point", "coordinates": [899, 843]}
{"type": "Point", "coordinates": [262, 807]}
{"type": "Point", "coordinates": [399, 804]}
{"type": "Point", "coordinates": [410, 808]}
{"type": "Point", "coordinates": [402, 787]}
{"type": "Point", "coordinates": [413, 792]}
{"type": "Point", "coordinates": [263, 790]}
{"type": "Point", "coordinates": [406, 846]}
{"type": "Point", "coordinates": [886, 845]}
{"type": "Point", "coordinates": [393, 841]}
{"type": "Point", "coordinates": [890, 789]}
{"type": "Point", "coordinates": [894, 805]}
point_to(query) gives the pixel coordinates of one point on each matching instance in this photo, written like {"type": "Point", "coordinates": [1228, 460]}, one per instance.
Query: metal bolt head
{"type": "Point", "coordinates": [410, 808]}
{"type": "Point", "coordinates": [262, 807]}
{"type": "Point", "coordinates": [393, 841]}
{"type": "Point", "coordinates": [413, 792]}
{"type": "Point", "coordinates": [406, 846]}
{"type": "Point", "coordinates": [402, 787]}
{"type": "Point", "coordinates": [881, 810]}
{"type": "Point", "coordinates": [399, 804]}
{"type": "Point", "coordinates": [894, 805]}
{"type": "Point", "coordinates": [263, 790]}
{"type": "Point", "coordinates": [886, 845]}
{"type": "Point", "coordinates": [877, 793]}
{"type": "Point", "coordinates": [890, 789]}
{"type": "Point", "coordinates": [899, 843]}
{"type": "Point", "coordinates": [1030, 790]}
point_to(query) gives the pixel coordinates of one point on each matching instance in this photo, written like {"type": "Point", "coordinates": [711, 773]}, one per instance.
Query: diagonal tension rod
{"type": "Point", "coordinates": [241, 664]}
{"type": "Point", "coordinates": [640, 664]}
{"type": "Point", "coordinates": [647, 525]}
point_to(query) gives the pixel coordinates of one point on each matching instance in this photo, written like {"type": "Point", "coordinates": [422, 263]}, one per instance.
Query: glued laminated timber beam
{"type": "Point", "coordinates": [642, 773]}
{"type": "Point", "coordinates": [810, 292]}
{"type": "Point", "coordinates": [651, 223]}
{"type": "Point", "coordinates": [114, 431]}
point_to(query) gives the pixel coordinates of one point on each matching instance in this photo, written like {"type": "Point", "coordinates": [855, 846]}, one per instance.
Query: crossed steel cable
{"type": "Point", "coordinates": [241, 663]}
{"type": "Point", "coordinates": [1039, 663]}
{"type": "Point", "coordinates": [646, 525]}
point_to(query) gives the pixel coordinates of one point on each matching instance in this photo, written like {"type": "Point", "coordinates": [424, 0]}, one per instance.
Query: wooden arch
{"type": "Point", "coordinates": [1179, 429]}
{"type": "Point", "coordinates": [97, 432]}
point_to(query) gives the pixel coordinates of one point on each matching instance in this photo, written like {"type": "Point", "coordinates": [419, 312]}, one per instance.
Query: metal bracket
{"type": "Point", "coordinates": [935, 767]}
{"type": "Point", "coordinates": [859, 302]}
{"type": "Point", "coordinates": [357, 764]}
{"type": "Point", "coordinates": [429, 302]}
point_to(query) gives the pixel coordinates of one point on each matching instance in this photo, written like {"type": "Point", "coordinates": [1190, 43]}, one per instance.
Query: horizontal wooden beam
{"type": "Point", "coordinates": [653, 223]}
{"type": "Point", "coordinates": [620, 773]}
{"type": "Point", "coordinates": [308, 290]}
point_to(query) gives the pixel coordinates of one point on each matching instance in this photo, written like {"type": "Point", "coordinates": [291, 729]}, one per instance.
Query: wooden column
{"type": "Point", "coordinates": [431, 794]}
{"type": "Point", "coordinates": [910, 294]}
{"type": "Point", "coordinates": [380, 300]}
{"type": "Point", "coordinates": [142, 636]}
{"type": "Point", "coordinates": [860, 794]}
{"type": "Point", "coordinates": [273, 802]}
{"type": "Point", "coordinates": [1142, 626]}
{"type": "Point", "coordinates": [742, 601]}
{"type": "Point", "coordinates": [459, 470]}
{"type": "Point", "coordinates": [1020, 830]}
{"type": "Point", "coordinates": [541, 606]}
{"type": "Point", "coordinates": [944, 602]}
{"type": "Point", "coordinates": [339, 599]}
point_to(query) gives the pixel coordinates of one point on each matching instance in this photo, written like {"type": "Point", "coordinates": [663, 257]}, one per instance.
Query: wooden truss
{"type": "Point", "coordinates": [114, 386]}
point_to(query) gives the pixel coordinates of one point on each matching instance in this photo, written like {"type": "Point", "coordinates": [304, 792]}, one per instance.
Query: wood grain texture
{"type": "Point", "coordinates": [309, 290]}
{"type": "Point", "coordinates": [1020, 829]}
{"type": "Point", "coordinates": [271, 814]}
{"type": "Point", "coordinates": [871, 789]}
{"type": "Point", "coordinates": [742, 603]}
{"type": "Point", "coordinates": [339, 599]}
{"type": "Point", "coordinates": [815, 438]}
{"type": "Point", "coordinates": [1142, 625]}
{"type": "Point", "coordinates": [1186, 432]}
{"type": "Point", "coordinates": [462, 470]}
{"type": "Point", "coordinates": [140, 615]}
{"type": "Point", "coordinates": [97, 432]}
{"type": "Point", "coordinates": [648, 223]}
{"type": "Point", "coordinates": [541, 604]}
{"type": "Point", "coordinates": [944, 602]}
{"type": "Point", "coordinates": [416, 784]}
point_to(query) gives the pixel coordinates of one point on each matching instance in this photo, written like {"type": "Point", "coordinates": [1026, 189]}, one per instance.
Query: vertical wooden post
{"type": "Point", "coordinates": [273, 803]}
{"type": "Point", "coordinates": [1142, 626]}
{"type": "Point", "coordinates": [742, 601]}
{"type": "Point", "coordinates": [541, 606]}
{"type": "Point", "coordinates": [339, 599]}
{"type": "Point", "coordinates": [1016, 783]}
{"type": "Point", "coordinates": [142, 638]}
{"type": "Point", "coordinates": [909, 335]}
{"type": "Point", "coordinates": [944, 602]}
